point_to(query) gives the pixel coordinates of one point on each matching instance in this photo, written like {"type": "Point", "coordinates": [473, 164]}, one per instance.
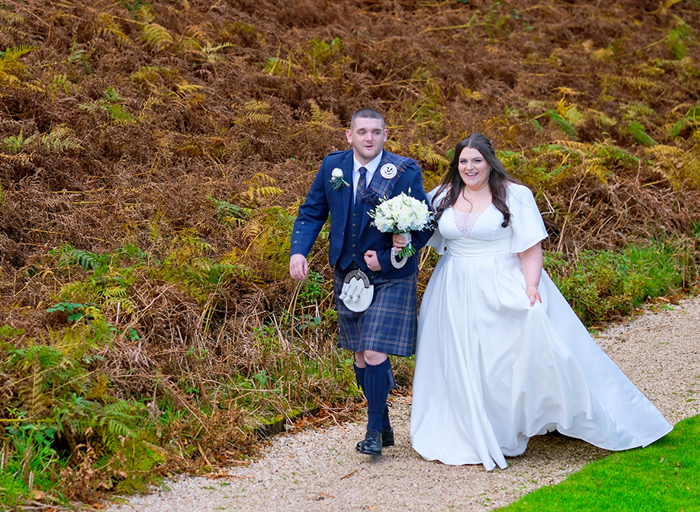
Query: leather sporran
{"type": "Point", "coordinates": [357, 292]}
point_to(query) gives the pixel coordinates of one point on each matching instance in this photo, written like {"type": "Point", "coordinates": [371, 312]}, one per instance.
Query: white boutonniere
{"type": "Point", "coordinates": [337, 179]}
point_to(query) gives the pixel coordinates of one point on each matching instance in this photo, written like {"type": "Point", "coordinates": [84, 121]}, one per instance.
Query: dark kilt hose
{"type": "Point", "coordinates": [388, 325]}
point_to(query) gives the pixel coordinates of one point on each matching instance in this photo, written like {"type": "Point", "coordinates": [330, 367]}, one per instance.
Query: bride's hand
{"type": "Point", "coordinates": [533, 294]}
{"type": "Point", "coordinates": [399, 241]}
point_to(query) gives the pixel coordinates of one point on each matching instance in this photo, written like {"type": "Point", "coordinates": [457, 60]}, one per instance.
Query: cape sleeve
{"type": "Point", "coordinates": [437, 241]}
{"type": "Point", "coordinates": [526, 221]}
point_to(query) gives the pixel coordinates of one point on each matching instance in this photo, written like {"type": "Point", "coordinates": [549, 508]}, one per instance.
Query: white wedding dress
{"type": "Point", "coordinates": [491, 371]}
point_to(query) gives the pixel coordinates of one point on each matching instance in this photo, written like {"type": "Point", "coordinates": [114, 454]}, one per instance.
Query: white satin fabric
{"type": "Point", "coordinates": [491, 371]}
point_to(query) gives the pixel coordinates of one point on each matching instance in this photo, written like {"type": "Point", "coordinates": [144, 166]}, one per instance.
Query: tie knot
{"type": "Point", "coordinates": [363, 171]}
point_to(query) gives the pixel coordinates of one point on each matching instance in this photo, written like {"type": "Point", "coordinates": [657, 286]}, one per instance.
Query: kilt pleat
{"type": "Point", "coordinates": [388, 325]}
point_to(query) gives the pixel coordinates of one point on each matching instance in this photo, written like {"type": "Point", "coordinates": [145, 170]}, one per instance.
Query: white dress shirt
{"type": "Point", "coordinates": [371, 169]}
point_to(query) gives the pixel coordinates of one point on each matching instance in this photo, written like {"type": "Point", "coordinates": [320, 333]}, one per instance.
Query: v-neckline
{"type": "Point", "coordinates": [469, 213]}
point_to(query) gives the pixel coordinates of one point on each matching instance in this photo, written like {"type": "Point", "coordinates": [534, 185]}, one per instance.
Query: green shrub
{"type": "Point", "coordinates": [600, 285]}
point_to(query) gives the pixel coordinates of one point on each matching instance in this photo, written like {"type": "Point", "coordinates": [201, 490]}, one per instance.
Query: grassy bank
{"type": "Point", "coordinates": [663, 477]}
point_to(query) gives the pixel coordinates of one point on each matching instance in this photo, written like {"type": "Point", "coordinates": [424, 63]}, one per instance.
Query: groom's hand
{"type": "Point", "coordinates": [298, 267]}
{"type": "Point", "coordinates": [372, 261]}
{"type": "Point", "coordinates": [400, 241]}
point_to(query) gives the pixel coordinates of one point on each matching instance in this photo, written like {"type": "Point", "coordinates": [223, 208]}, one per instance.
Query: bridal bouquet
{"type": "Point", "coordinates": [402, 214]}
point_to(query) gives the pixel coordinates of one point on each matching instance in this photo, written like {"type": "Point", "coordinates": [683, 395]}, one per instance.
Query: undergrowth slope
{"type": "Point", "coordinates": [153, 155]}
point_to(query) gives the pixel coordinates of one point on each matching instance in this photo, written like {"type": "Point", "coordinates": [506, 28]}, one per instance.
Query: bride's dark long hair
{"type": "Point", "coordinates": [498, 178]}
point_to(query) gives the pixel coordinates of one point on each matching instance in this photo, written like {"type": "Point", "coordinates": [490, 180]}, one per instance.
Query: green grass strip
{"type": "Point", "coordinates": [662, 477]}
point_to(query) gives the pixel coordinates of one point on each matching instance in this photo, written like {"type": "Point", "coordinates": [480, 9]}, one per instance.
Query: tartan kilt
{"type": "Point", "coordinates": [389, 324]}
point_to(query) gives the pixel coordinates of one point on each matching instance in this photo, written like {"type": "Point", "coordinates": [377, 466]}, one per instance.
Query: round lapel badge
{"type": "Point", "coordinates": [388, 171]}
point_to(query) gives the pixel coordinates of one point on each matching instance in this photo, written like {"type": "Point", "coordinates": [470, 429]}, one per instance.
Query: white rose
{"type": "Point", "coordinates": [383, 225]}
{"type": "Point", "coordinates": [337, 173]}
{"type": "Point", "coordinates": [403, 221]}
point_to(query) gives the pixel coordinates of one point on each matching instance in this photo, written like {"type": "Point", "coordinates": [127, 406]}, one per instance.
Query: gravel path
{"type": "Point", "coordinates": [319, 470]}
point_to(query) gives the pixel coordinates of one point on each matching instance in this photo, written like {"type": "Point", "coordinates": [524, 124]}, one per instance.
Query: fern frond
{"type": "Point", "coordinates": [563, 124]}
{"type": "Point", "coordinates": [13, 144]}
{"type": "Point", "coordinates": [144, 13]}
{"type": "Point", "coordinates": [106, 24]}
{"type": "Point", "coordinates": [675, 165]}
{"type": "Point", "coordinates": [228, 213]}
{"type": "Point", "coordinates": [393, 145]}
{"type": "Point", "coordinates": [126, 306]}
{"type": "Point", "coordinates": [256, 105]}
{"type": "Point", "coordinates": [581, 147]}
{"type": "Point", "coordinates": [80, 292]}
{"type": "Point", "coordinates": [468, 94]}
{"type": "Point", "coordinates": [153, 227]}
{"type": "Point", "coordinates": [637, 110]}
{"type": "Point", "coordinates": [601, 118]}
{"type": "Point", "coordinates": [9, 80]}
{"type": "Point", "coordinates": [21, 159]}
{"type": "Point", "coordinates": [156, 36]}
{"type": "Point", "coordinates": [112, 95]}
{"type": "Point", "coordinates": [639, 133]}
{"type": "Point", "coordinates": [95, 106]}
{"type": "Point", "coordinates": [115, 293]}
{"type": "Point", "coordinates": [61, 83]}
{"type": "Point", "coordinates": [567, 91]}
{"type": "Point", "coordinates": [191, 44]}
{"type": "Point", "coordinates": [38, 402]}
{"type": "Point", "coordinates": [116, 425]}
{"type": "Point", "coordinates": [640, 83]}
{"type": "Point", "coordinates": [428, 155]}
{"type": "Point", "coordinates": [675, 130]}
{"type": "Point", "coordinates": [153, 74]}
{"type": "Point", "coordinates": [321, 118]}
{"type": "Point", "coordinates": [261, 177]}
{"type": "Point", "coordinates": [99, 386]}
{"type": "Point", "coordinates": [184, 90]}
{"type": "Point", "coordinates": [665, 151]}
{"type": "Point", "coordinates": [690, 120]}
{"type": "Point", "coordinates": [599, 172]}
{"type": "Point", "coordinates": [678, 37]}
{"type": "Point", "coordinates": [252, 230]}
{"type": "Point", "coordinates": [8, 59]}
{"type": "Point", "coordinates": [254, 193]}
{"type": "Point", "coordinates": [574, 116]}
{"type": "Point", "coordinates": [188, 240]}
{"type": "Point", "coordinates": [211, 52]}
{"type": "Point", "coordinates": [117, 428]}
{"type": "Point", "coordinates": [316, 112]}
{"type": "Point", "coordinates": [59, 139]}
{"type": "Point", "coordinates": [107, 457]}
{"type": "Point", "coordinates": [86, 259]}
{"type": "Point", "coordinates": [259, 118]}
{"type": "Point", "coordinates": [277, 66]}
{"type": "Point", "coordinates": [597, 160]}
{"type": "Point", "coordinates": [11, 18]}
{"type": "Point", "coordinates": [615, 155]}
{"type": "Point", "coordinates": [197, 32]}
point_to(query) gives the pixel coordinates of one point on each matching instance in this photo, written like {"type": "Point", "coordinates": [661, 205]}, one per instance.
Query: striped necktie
{"type": "Point", "coordinates": [361, 184]}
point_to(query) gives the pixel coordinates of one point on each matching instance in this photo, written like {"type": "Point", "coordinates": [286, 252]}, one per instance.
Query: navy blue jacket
{"type": "Point", "coordinates": [323, 199]}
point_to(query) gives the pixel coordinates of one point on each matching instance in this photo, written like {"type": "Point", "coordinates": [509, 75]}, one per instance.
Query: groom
{"type": "Point", "coordinates": [349, 185]}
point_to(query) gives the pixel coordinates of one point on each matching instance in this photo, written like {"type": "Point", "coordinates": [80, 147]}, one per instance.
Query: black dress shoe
{"type": "Point", "coordinates": [387, 439]}
{"type": "Point", "coordinates": [372, 445]}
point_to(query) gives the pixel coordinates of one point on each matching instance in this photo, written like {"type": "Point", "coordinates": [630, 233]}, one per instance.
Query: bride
{"type": "Point", "coordinates": [501, 356]}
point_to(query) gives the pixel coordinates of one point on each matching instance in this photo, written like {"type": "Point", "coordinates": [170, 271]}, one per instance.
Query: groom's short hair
{"type": "Point", "coordinates": [369, 113]}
